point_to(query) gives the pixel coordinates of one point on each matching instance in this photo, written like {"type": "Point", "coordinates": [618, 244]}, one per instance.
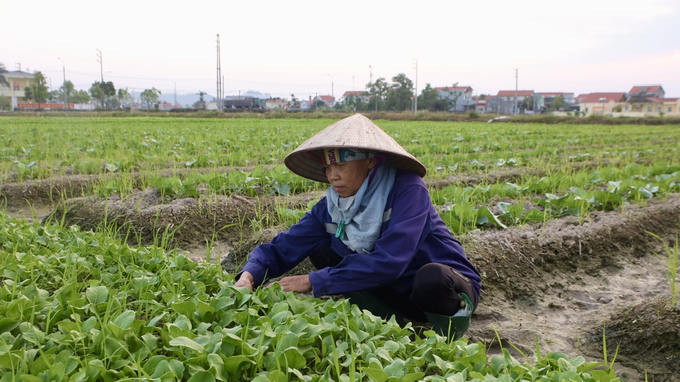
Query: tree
{"type": "Point", "coordinates": [428, 98]}
{"type": "Point", "coordinates": [5, 103]}
{"type": "Point", "coordinates": [449, 102]}
{"type": "Point", "coordinates": [80, 96]}
{"type": "Point", "coordinates": [353, 103]}
{"type": "Point", "coordinates": [318, 104]}
{"type": "Point", "coordinates": [527, 103]}
{"type": "Point", "coordinates": [401, 95]}
{"type": "Point", "coordinates": [559, 103]}
{"type": "Point", "coordinates": [54, 95]}
{"type": "Point", "coordinates": [37, 91]}
{"type": "Point", "coordinates": [150, 97]}
{"type": "Point", "coordinates": [200, 104]}
{"type": "Point", "coordinates": [3, 80]}
{"type": "Point", "coordinates": [97, 93]}
{"type": "Point", "coordinates": [125, 99]}
{"type": "Point", "coordinates": [378, 91]}
{"type": "Point", "coordinates": [102, 91]}
{"type": "Point", "coordinates": [65, 91]}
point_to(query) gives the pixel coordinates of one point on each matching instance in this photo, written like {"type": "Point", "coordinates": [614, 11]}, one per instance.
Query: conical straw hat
{"type": "Point", "coordinates": [356, 132]}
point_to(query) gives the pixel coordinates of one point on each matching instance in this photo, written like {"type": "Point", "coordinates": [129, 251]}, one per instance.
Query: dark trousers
{"type": "Point", "coordinates": [435, 290]}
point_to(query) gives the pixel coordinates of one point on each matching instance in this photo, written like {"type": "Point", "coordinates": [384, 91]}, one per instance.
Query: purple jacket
{"type": "Point", "coordinates": [413, 234]}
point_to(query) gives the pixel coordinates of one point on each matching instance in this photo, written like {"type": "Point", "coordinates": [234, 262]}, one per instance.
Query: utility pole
{"type": "Point", "coordinates": [415, 95]}
{"type": "Point", "coordinates": [332, 93]}
{"type": "Point", "coordinates": [101, 68]}
{"type": "Point", "coordinates": [515, 110]}
{"type": "Point", "coordinates": [64, 83]}
{"type": "Point", "coordinates": [219, 76]}
{"type": "Point", "coordinates": [370, 67]}
{"type": "Point", "coordinates": [101, 63]}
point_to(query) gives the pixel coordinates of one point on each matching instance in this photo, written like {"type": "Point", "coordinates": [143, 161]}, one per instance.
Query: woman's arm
{"type": "Point", "coordinates": [287, 249]}
{"type": "Point", "coordinates": [394, 250]}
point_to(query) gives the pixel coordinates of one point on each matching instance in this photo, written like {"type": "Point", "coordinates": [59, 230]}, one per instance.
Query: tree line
{"type": "Point", "coordinates": [104, 93]}
{"type": "Point", "coordinates": [399, 95]}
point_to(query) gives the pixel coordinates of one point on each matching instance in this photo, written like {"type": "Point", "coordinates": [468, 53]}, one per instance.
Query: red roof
{"type": "Point", "coordinates": [646, 89]}
{"type": "Point", "coordinates": [597, 97]}
{"type": "Point", "coordinates": [325, 98]}
{"type": "Point", "coordinates": [353, 92]}
{"type": "Point", "coordinates": [511, 93]}
{"type": "Point", "coordinates": [454, 88]}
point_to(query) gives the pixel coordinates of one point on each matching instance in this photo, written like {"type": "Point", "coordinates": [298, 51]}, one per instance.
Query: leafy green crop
{"type": "Point", "coordinates": [467, 208]}
{"type": "Point", "coordinates": [81, 306]}
{"type": "Point", "coordinates": [38, 147]}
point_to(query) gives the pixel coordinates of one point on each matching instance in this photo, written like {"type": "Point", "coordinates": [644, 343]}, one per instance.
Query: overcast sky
{"type": "Point", "coordinates": [308, 47]}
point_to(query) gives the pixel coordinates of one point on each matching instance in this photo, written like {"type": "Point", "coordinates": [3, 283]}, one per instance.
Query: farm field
{"type": "Point", "coordinates": [558, 218]}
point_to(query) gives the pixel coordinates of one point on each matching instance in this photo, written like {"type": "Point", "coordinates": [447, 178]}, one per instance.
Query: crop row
{"type": "Point", "coordinates": [531, 199]}
{"type": "Point", "coordinates": [554, 196]}
{"type": "Point", "coordinates": [82, 306]}
{"type": "Point", "coordinates": [37, 148]}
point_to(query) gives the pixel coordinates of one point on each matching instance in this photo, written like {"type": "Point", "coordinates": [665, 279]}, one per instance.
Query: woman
{"type": "Point", "coordinates": [376, 237]}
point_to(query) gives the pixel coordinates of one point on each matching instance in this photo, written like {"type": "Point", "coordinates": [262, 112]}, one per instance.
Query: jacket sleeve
{"type": "Point", "coordinates": [394, 250]}
{"type": "Point", "coordinates": [289, 248]}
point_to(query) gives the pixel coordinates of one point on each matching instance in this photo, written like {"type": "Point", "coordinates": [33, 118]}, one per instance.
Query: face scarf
{"type": "Point", "coordinates": [359, 217]}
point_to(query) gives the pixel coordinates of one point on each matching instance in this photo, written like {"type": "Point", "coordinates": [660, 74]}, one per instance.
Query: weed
{"type": "Point", "coordinates": [672, 263]}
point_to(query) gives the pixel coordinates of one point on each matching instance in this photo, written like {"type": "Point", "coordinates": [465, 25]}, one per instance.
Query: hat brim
{"type": "Point", "coordinates": [356, 132]}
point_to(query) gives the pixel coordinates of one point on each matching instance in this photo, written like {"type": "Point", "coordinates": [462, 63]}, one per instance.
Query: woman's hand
{"type": "Point", "coordinates": [245, 281]}
{"type": "Point", "coordinates": [298, 284]}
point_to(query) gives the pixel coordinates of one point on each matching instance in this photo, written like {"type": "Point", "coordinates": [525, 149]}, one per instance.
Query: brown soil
{"type": "Point", "coordinates": [560, 284]}
{"type": "Point", "coordinates": [24, 198]}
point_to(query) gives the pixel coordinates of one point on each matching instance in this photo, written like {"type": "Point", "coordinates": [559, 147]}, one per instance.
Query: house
{"type": "Point", "coordinates": [549, 97]}
{"type": "Point", "coordinates": [359, 95]}
{"type": "Point", "coordinates": [648, 106]}
{"type": "Point", "coordinates": [461, 96]}
{"type": "Point", "coordinates": [646, 91]}
{"type": "Point", "coordinates": [600, 103]}
{"type": "Point", "coordinates": [647, 100]}
{"type": "Point", "coordinates": [510, 101]}
{"type": "Point", "coordinates": [328, 100]}
{"type": "Point", "coordinates": [165, 106]}
{"type": "Point", "coordinates": [18, 81]}
{"type": "Point", "coordinates": [275, 103]}
{"type": "Point", "coordinates": [306, 104]}
{"type": "Point", "coordinates": [480, 105]}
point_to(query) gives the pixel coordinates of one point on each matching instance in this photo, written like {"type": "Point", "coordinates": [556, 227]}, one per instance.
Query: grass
{"type": "Point", "coordinates": [672, 263]}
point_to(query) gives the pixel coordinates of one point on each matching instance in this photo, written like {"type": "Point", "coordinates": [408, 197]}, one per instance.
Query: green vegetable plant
{"type": "Point", "coordinates": [83, 306]}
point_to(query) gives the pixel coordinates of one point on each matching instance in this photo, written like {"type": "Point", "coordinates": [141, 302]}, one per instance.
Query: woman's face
{"type": "Point", "coordinates": [347, 177]}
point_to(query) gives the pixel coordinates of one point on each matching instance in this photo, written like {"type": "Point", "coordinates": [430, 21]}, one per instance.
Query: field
{"type": "Point", "coordinates": [574, 228]}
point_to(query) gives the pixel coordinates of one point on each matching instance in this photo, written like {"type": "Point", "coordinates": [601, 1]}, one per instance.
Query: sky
{"type": "Point", "coordinates": [309, 48]}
